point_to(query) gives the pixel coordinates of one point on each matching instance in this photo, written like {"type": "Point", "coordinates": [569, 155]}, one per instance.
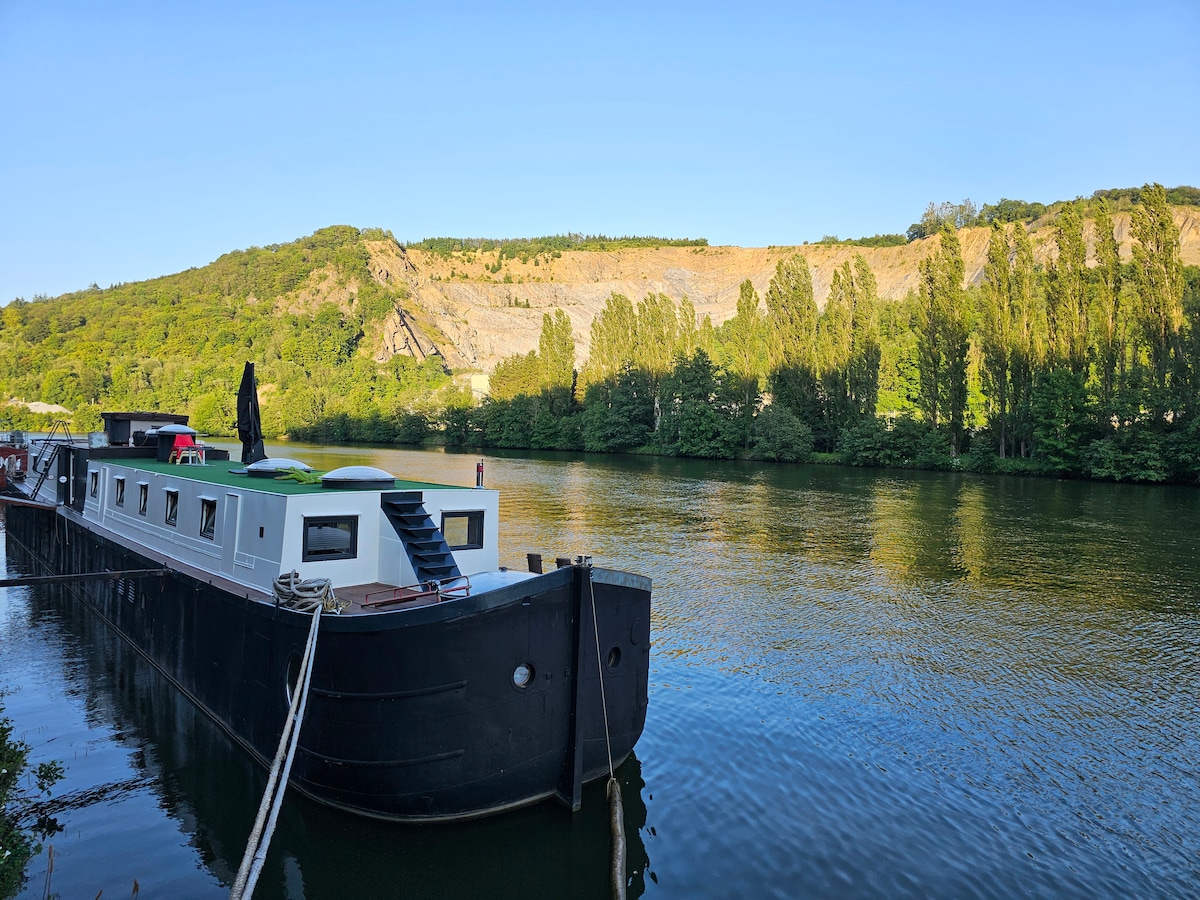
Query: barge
{"type": "Point", "coordinates": [444, 686]}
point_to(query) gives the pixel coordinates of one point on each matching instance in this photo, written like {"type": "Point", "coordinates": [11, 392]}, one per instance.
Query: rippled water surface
{"type": "Point", "coordinates": [863, 685]}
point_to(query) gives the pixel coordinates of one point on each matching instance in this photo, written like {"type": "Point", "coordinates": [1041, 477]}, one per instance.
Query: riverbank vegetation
{"type": "Point", "coordinates": [21, 827]}
{"type": "Point", "coordinates": [1085, 366]}
{"type": "Point", "coordinates": [1068, 370]}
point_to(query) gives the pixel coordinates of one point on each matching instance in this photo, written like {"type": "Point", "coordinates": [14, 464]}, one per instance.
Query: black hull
{"type": "Point", "coordinates": [412, 715]}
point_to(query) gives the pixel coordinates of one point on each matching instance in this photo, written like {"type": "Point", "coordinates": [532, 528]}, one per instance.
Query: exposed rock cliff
{"type": "Point", "coordinates": [475, 309]}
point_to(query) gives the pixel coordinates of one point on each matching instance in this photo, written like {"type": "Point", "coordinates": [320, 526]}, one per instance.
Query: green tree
{"type": "Point", "coordinates": [612, 339]}
{"type": "Point", "coordinates": [655, 334]}
{"type": "Point", "coordinates": [556, 351]}
{"type": "Point", "coordinates": [791, 339]}
{"type": "Point", "coordinates": [1067, 299]}
{"type": "Point", "coordinates": [745, 353]}
{"type": "Point", "coordinates": [1158, 273]}
{"type": "Point", "coordinates": [687, 337]}
{"type": "Point", "coordinates": [1062, 420]}
{"type": "Point", "coordinates": [781, 437]}
{"type": "Point", "coordinates": [1107, 308]}
{"type": "Point", "coordinates": [514, 376]}
{"type": "Point", "coordinates": [693, 425]}
{"type": "Point", "coordinates": [865, 354]}
{"type": "Point", "coordinates": [943, 338]}
{"type": "Point", "coordinates": [848, 348]}
{"type": "Point", "coordinates": [1026, 352]}
{"type": "Point", "coordinates": [791, 316]}
{"type": "Point", "coordinates": [996, 332]}
{"type": "Point", "coordinates": [619, 412]}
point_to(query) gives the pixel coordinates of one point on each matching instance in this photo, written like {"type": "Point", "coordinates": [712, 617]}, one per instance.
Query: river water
{"type": "Point", "coordinates": [863, 685]}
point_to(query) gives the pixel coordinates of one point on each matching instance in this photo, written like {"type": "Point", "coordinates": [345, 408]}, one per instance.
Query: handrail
{"type": "Point", "coordinates": [440, 589]}
{"type": "Point", "coordinates": [67, 441]}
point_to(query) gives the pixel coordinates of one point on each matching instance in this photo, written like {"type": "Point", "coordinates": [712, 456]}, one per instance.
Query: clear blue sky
{"type": "Point", "coordinates": [138, 139]}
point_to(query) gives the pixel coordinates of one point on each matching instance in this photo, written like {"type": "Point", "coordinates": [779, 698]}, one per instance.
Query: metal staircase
{"type": "Point", "coordinates": [60, 436]}
{"type": "Point", "coordinates": [423, 542]}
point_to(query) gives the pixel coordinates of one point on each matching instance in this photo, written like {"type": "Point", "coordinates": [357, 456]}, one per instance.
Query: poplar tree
{"type": "Point", "coordinates": [556, 356]}
{"type": "Point", "coordinates": [744, 352]}
{"type": "Point", "coordinates": [556, 351]}
{"type": "Point", "coordinates": [1025, 351]}
{"type": "Point", "coordinates": [996, 332]}
{"type": "Point", "coordinates": [865, 354]}
{"type": "Point", "coordinates": [791, 338]}
{"type": "Point", "coordinates": [1158, 271]}
{"type": "Point", "coordinates": [655, 334]}
{"type": "Point", "coordinates": [835, 343]}
{"type": "Point", "coordinates": [1107, 308]}
{"type": "Point", "coordinates": [687, 336]}
{"type": "Point", "coordinates": [791, 316]}
{"type": "Point", "coordinates": [1067, 300]}
{"type": "Point", "coordinates": [848, 343]}
{"type": "Point", "coordinates": [612, 334]}
{"type": "Point", "coordinates": [943, 338]}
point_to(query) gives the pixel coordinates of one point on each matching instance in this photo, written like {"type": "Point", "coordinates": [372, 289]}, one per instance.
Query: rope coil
{"type": "Point", "coordinates": [307, 594]}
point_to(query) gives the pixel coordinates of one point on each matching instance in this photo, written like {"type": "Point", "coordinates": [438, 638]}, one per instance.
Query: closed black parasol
{"type": "Point", "coordinates": [249, 422]}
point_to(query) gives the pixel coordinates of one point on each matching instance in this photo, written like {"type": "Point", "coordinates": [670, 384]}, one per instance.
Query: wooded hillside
{"type": "Point", "coordinates": [358, 337]}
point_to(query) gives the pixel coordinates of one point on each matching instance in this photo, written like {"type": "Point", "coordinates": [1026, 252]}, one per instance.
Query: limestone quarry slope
{"type": "Point", "coordinates": [476, 309]}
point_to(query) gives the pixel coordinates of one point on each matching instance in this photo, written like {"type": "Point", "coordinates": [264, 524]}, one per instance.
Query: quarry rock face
{"type": "Point", "coordinates": [474, 308]}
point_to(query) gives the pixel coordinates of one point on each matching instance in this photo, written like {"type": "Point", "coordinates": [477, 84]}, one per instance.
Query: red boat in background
{"type": "Point", "coordinates": [14, 457]}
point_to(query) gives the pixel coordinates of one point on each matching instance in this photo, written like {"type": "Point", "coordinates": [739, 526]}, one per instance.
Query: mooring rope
{"type": "Point", "coordinates": [306, 594]}
{"type": "Point", "coordinates": [616, 811]}
{"type": "Point", "coordinates": [600, 672]}
{"type": "Point", "coordinates": [281, 767]}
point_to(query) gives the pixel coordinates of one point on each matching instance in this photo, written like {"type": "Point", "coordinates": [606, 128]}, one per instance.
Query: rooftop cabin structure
{"type": "Point", "coordinates": [129, 428]}
{"type": "Point", "coordinates": [366, 538]}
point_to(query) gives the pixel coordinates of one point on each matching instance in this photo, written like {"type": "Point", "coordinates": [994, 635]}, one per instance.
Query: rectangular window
{"type": "Point", "coordinates": [94, 483]}
{"type": "Point", "coordinates": [330, 537]}
{"type": "Point", "coordinates": [208, 518]}
{"type": "Point", "coordinates": [463, 530]}
{"type": "Point", "coordinates": [172, 514]}
{"type": "Point", "coordinates": [119, 491]}
{"type": "Point", "coordinates": [143, 497]}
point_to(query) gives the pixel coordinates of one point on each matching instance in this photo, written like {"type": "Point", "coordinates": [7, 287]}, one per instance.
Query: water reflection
{"type": "Point", "coordinates": [864, 685]}
{"type": "Point", "coordinates": [157, 743]}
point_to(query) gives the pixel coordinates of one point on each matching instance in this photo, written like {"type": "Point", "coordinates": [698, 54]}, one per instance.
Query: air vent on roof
{"type": "Point", "coordinates": [359, 478]}
{"type": "Point", "coordinates": [269, 468]}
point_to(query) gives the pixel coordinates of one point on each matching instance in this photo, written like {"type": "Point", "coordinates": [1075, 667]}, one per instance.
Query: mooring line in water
{"type": "Point", "coordinates": [111, 575]}
{"type": "Point", "coordinates": [281, 767]}
{"type": "Point", "coordinates": [616, 811]}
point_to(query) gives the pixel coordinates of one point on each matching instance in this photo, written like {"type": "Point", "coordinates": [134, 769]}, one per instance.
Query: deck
{"type": "Point", "coordinates": [229, 473]}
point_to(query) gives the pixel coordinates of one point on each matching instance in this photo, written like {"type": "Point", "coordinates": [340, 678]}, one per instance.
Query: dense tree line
{"type": "Point", "coordinates": [966, 214]}
{"type": "Point", "coordinates": [548, 245]}
{"type": "Point", "coordinates": [1067, 369]}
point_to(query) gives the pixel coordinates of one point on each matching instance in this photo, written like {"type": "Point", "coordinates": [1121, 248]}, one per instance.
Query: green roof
{"type": "Point", "coordinates": [232, 474]}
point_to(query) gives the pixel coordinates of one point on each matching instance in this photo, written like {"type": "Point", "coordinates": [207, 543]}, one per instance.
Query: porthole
{"type": "Point", "coordinates": [614, 657]}
{"type": "Point", "coordinates": [522, 675]}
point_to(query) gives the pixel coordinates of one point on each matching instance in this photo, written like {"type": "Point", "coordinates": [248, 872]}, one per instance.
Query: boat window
{"type": "Point", "coordinates": [172, 507]}
{"type": "Point", "coordinates": [330, 537]}
{"type": "Point", "coordinates": [143, 497]}
{"type": "Point", "coordinates": [94, 483]}
{"type": "Point", "coordinates": [208, 518]}
{"type": "Point", "coordinates": [463, 530]}
{"type": "Point", "coordinates": [119, 491]}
